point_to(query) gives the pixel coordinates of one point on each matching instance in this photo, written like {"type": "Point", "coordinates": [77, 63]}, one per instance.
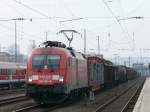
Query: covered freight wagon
{"type": "Point", "coordinates": [121, 73]}
{"type": "Point", "coordinates": [95, 73]}
{"type": "Point", "coordinates": [110, 77]}
{"type": "Point", "coordinates": [131, 73]}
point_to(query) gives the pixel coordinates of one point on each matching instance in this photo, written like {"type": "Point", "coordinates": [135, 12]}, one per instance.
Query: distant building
{"type": "Point", "coordinates": [6, 57]}
{"type": "Point", "coordinates": [142, 69]}
{"type": "Point", "coordinates": [138, 67]}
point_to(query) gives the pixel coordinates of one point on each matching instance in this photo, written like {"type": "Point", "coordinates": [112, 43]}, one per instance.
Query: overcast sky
{"type": "Point", "coordinates": [98, 19]}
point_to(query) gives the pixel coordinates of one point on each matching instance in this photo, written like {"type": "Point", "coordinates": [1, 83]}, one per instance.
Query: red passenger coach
{"type": "Point", "coordinates": [12, 74]}
{"type": "Point", "coordinates": [55, 72]}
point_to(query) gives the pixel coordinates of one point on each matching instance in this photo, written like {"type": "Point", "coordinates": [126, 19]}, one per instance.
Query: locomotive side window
{"type": "Point", "coordinates": [45, 61]}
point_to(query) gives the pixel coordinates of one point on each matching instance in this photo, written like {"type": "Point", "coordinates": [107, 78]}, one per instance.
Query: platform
{"type": "Point", "coordinates": [143, 102]}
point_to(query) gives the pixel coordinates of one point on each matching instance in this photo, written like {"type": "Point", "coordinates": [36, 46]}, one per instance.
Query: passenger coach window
{"type": "Point", "coordinates": [9, 72]}
{"type": "Point", "coordinates": [4, 72]}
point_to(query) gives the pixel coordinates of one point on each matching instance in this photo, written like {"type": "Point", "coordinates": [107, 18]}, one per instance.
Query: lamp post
{"type": "Point", "coordinates": [16, 19]}
{"type": "Point", "coordinates": [118, 60]}
{"type": "Point", "coordinates": [98, 45]}
{"type": "Point", "coordinates": [115, 55]}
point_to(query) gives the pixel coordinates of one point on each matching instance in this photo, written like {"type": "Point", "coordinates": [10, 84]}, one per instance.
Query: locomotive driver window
{"type": "Point", "coordinates": [38, 61]}
{"type": "Point", "coordinates": [46, 61]}
{"type": "Point", "coordinates": [53, 61]}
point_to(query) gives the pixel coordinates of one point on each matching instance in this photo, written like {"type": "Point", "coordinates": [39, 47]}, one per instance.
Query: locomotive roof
{"type": "Point", "coordinates": [53, 44]}
{"type": "Point", "coordinates": [67, 51]}
{"type": "Point", "coordinates": [59, 47]}
{"type": "Point", "coordinates": [51, 48]}
{"type": "Point", "coordinates": [11, 65]}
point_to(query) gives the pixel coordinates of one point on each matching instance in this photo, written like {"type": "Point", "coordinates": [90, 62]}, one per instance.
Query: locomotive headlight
{"type": "Point", "coordinates": [30, 79]}
{"type": "Point", "coordinates": [61, 78]}
{"type": "Point", "coordinates": [33, 77]}
{"type": "Point", "coordinates": [58, 77]}
{"type": "Point", "coordinates": [55, 77]}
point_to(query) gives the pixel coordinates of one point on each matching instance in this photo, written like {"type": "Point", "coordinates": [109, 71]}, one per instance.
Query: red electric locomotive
{"type": "Point", "coordinates": [55, 72]}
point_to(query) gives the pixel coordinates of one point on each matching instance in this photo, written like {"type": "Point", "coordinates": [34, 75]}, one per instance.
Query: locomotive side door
{"type": "Point", "coordinates": [71, 71]}
{"type": "Point", "coordinates": [81, 70]}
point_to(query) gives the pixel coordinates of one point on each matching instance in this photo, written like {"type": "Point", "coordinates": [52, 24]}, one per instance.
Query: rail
{"type": "Point", "coordinates": [103, 106]}
{"type": "Point", "coordinates": [131, 102]}
{"type": "Point", "coordinates": [12, 100]}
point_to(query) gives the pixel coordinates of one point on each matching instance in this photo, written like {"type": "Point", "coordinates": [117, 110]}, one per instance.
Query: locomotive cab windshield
{"type": "Point", "coordinates": [46, 61]}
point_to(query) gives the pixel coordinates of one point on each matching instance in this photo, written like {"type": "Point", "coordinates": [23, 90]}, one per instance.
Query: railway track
{"type": "Point", "coordinates": [4, 92]}
{"type": "Point", "coordinates": [44, 108]}
{"type": "Point", "coordinates": [25, 109]}
{"type": "Point", "coordinates": [106, 105]}
{"type": "Point", "coordinates": [40, 108]}
{"type": "Point", "coordinates": [13, 100]}
{"type": "Point", "coordinates": [132, 101]}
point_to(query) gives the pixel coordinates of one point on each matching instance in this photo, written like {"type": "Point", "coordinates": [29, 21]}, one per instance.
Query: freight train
{"type": "Point", "coordinates": [12, 75]}
{"type": "Point", "coordinates": [55, 73]}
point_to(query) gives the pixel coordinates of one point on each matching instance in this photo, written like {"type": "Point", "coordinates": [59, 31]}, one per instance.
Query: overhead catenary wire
{"type": "Point", "coordinates": [36, 11]}
{"type": "Point", "coordinates": [121, 14]}
{"type": "Point", "coordinates": [13, 8]}
{"type": "Point", "coordinates": [67, 8]}
{"type": "Point", "coordinates": [116, 18]}
{"type": "Point", "coordinates": [78, 18]}
{"type": "Point", "coordinates": [137, 7]}
{"type": "Point", "coordinates": [30, 8]}
{"type": "Point", "coordinates": [22, 15]}
{"type": "Point", "coordinates": [21, 30]}
{"type": "Point", "coordinates": [31, 19]}
{"type": "Point", "coordinates": [27, 34]}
